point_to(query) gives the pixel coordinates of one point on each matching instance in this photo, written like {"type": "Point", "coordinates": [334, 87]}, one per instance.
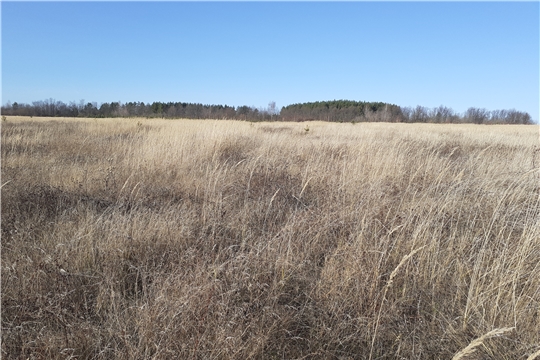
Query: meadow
{"type": "Point", "coordinates": [192, 239]}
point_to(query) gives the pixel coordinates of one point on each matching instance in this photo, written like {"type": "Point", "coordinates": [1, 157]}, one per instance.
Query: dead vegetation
{"type": "Point", "coordinates": [135, 239]}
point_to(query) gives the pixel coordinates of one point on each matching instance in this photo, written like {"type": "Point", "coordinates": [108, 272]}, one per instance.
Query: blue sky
{"type": "Point", "coordinates": [458, 54]}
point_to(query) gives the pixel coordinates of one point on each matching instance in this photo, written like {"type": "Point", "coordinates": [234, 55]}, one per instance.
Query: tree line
{"type": "Point", "coordinates": [335, 111]}
{"type": "Point", "coordinates": [341, 110]}
{"type": "Point", "coordinates": [443, 114]}
{"type": "Point", "coordinates": [55, 108]}
{"type": "Point", "coordinates": [358, 111]}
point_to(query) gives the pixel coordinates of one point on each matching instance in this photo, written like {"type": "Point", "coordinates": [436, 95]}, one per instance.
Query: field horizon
{"type": "Point", "coordinates": [225, 239]}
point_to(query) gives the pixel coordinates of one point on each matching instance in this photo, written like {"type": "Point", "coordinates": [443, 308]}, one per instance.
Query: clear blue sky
{"type": "Point", "coordinates": [458, 54]}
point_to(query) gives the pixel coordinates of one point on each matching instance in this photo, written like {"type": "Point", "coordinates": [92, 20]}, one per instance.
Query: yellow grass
{"type": "Point", "coordinates": [165, 239]}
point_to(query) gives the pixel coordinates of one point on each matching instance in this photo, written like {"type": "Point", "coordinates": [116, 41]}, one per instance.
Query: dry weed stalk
{"type": "Point", "coordinates": [471, 348]}
{"type": "Point", "coordinates": [534, 356]}
{"type": "Point", "coordinates": [388, 285]}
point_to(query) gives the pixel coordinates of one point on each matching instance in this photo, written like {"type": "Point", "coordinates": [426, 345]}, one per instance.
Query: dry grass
{"type": "Point", "coordinates": [136, 239]}
{"type": "Point", "coordinates": [472, 347]}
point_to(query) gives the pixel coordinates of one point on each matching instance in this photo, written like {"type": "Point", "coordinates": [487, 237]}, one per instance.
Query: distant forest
{"type": "Point", "coordinates": [358, 111]}
{"type": "Point", "coordinates": [334, 111]}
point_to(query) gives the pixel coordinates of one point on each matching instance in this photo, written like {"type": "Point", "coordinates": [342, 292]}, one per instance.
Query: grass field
{"type": "Point", "coordinates": [166, 239]}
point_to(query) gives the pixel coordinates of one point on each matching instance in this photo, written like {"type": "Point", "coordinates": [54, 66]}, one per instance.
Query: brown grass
{"type": "Point", "coordinates": [139, 239]}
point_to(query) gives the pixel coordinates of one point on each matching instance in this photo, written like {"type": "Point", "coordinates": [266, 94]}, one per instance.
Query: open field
{"type": "Point", "coordinates": [165, 239]}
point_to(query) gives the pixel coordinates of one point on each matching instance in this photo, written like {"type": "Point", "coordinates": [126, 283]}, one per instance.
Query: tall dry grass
{"type": "Point", "coordinates": [125, 239]}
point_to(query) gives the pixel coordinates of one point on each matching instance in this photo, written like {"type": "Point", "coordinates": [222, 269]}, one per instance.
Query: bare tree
{"type": "Point", "coordinates": [272, 108]}
{"type": "Point", "coordinates": [476, 115]}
